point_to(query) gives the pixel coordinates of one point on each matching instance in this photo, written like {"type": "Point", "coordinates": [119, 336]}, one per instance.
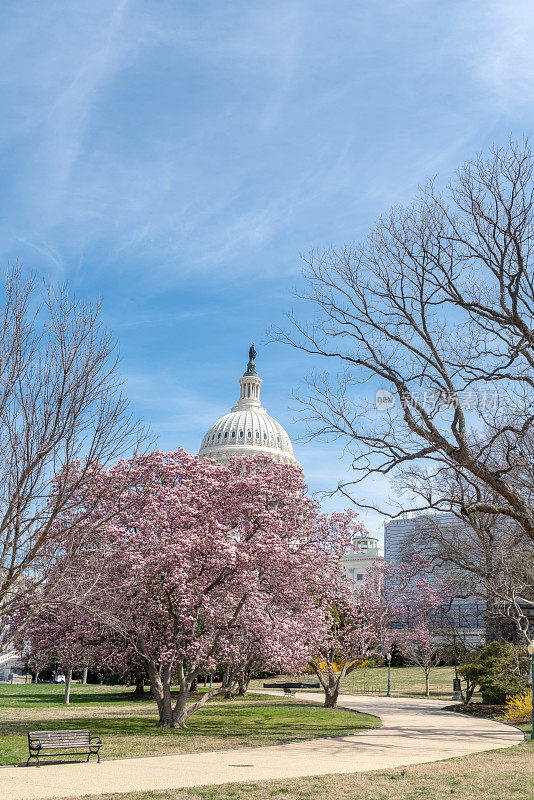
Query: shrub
{"type": "Point", "coordinates": [397, 657]}
{"type": "Point", "coordinates": [500, 670]}
{"type": "Point", "coordinates": [519, 708]}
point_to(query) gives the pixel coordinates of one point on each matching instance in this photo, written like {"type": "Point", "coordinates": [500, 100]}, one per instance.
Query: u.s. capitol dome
{"type": "Point", "coordinates": [248, 430]}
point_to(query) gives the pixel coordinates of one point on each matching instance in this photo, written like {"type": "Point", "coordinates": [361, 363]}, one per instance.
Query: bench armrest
{"type": "Point", "coordinates": [35, 744]}
{"type": "Point", "coordinates": [95, 739]}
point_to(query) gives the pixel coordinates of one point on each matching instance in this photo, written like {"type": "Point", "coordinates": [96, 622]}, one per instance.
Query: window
{"type": "Point", "coordinates": [233, 434]}
{"type": "Point", "coordinates": [249, 434]}
{"type": "Point", "coordinates": [241, 434]}
{"type": "Point", "coordinates": [257, 435]}
{"type": "Point", "coordinates": [219, 436]}
{"type": "Point", "coordinates": [226, 434]}
{"type": "Point", "coordinates": [359, 577]}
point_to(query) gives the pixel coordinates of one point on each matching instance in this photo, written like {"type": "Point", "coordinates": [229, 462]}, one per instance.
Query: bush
{"type": "Point", "coordinates": [371, 662]}
{"type": "Point", "coordinates": [500, 670]}
{"type": "Point", "coordinates": [397, 657]}
{"type": "Point", "coordinates": [519, 708]}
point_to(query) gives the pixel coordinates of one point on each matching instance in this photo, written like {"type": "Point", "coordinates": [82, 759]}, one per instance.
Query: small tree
{"type": "Point", "coordinates": [421, 648]}
{"type": "Point", "coordinates": [59, 637]}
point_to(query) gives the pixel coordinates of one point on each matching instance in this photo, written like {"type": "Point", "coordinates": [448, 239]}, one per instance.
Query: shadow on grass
{"type": "Point", "coordinates": [32, 695]}
{"type": "Point", "coordinates": [51, 694]}
{"type": "Point", "coordinates": [241, 725]}
{"type": "Point", "coordinates": [227, 722]}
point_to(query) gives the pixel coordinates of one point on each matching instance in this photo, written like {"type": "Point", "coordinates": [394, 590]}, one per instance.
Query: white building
{"type": "Point", "coordinates": [12, 669]}
{"type": "Point", "coordinates": [248, 430]}
{"type": "Point", "coordinates": [365, 551]}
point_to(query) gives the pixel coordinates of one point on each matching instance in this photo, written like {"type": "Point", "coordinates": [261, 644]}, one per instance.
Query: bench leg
{"type": "Point", "coordinates": [33, 755]}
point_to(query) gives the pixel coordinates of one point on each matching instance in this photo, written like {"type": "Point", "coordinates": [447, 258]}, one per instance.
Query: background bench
{"type": "Point", "coordinates": [41, 742]}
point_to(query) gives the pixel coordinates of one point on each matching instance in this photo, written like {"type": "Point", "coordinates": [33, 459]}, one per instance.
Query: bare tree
{"type": "Point", "coordinates": [61, 411]}
{"type": "Point", "coordinates": [487, 559]}
{"type": "Point", "coordinates": [434, 313]}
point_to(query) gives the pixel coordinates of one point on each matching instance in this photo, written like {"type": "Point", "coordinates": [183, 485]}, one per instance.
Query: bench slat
{"type": "Point", "coordinates": [61, 743]}
{"type": "Point", "coordinates": [60, 738]}
{"type": "Point", "coordinates": [54, 733]}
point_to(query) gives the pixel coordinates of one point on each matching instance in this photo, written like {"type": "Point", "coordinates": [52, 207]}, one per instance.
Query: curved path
{"type": "Point", "coordinates": [413, 731]}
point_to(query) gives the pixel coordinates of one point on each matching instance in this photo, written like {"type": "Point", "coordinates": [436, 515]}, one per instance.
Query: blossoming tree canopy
{"type": "Point", "coordinates": [70, 638]}
{"type": "Point", "coordinates": [202, 555]}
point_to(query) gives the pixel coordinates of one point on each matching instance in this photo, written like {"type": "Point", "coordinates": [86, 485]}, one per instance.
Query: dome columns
{"type": "Point", "coordinates": [250, 391]}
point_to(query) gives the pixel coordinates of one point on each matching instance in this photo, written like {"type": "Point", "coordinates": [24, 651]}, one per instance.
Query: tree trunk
{"type": "Point", "coordinates": [68, 679]}
{"type": "Point", "coordinates": [160, 685]}
{"type": "Point", "coordinates": [179, 713]}
{"type": "Point", "coordinates": [331, 693]}
{"type": "Point", "coordinates": [427, 687]}
{"type": "Point", "coordinates": [160, 696]}
{"type": "Point", "coordinates": [139, 691]}
{"type": "Point", "coordinates": [331, 685]}
{"type": "Point", "coordinates": [84, 674]}
{"type": "Point", "coordinates": [194, 685]}
{"type": "Point", "coordinates": [168, 721]}
{"type": "Point", "coordinates": [226, 684]}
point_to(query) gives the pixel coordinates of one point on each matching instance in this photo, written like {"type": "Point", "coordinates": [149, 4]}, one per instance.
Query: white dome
{"type": "Point", "coordinates": [248, 430]}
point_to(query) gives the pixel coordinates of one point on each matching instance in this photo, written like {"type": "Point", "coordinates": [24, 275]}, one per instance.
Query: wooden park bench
{"type": "Point", "coordinates": [81, 741]}
{"type": "Point", "coordinates": [289, 692]}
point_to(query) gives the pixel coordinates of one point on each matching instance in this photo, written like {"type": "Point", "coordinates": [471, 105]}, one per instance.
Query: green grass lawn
{"type": "Point", "coordinates": [128, 727]}
{"type": "Point", "coordinates": [405, 681]}
{"type": "Point", "coordinates": [47, 694]}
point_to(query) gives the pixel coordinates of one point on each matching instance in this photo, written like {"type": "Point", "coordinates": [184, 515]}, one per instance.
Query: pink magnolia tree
{"type": "Point", "coordinates": [366, 620]}
{"type": "Point", "coordinates": [418, 638]}
{"type": "Point", "coordinates": [56, 638]}
{"type": "Point", "coordinates": [421, 647]}
{"type": "Point", "coordinates": [200, 558]}
{"type": "Point", "coordinates": [69, 639]}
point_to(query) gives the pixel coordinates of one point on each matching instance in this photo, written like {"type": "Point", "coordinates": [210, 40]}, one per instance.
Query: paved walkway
{"type": "Point", "coordinates": [413, 732]}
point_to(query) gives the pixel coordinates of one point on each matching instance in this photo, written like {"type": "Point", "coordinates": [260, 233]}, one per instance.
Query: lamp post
{"type": "Point", "coordinates": [530, 650]}
{"type": "Point", "coordinates": [388, 657]}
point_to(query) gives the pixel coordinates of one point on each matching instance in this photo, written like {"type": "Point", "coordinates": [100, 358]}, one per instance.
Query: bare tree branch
{"type": "Point", "coordinates": [61, 409]}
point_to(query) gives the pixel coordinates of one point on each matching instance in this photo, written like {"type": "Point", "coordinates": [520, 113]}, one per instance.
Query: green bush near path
{"type": "Point", "coordinates": [128, 727]}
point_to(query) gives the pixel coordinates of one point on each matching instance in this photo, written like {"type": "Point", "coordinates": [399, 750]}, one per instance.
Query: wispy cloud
{"type": "Point", "coordinates": [496, 38]}
{"type": "Point", "coordinates": [69, 112]}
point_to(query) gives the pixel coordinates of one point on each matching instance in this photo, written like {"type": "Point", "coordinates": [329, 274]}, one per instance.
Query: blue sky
{"type": "Point", "coordinates": [178, 157]}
